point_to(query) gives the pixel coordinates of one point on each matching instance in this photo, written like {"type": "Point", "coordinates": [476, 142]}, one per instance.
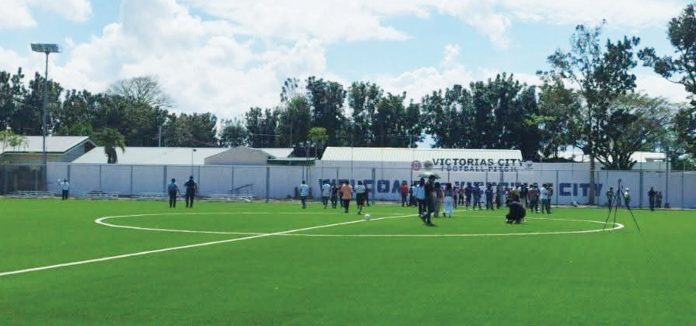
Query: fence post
{"type": "Point", "coordinates": [100, 177]}
{"type": "Point", "coordinates": [164, 179]}
{"type": "Point", "coordinates": [268, 182]}
{"type": "Point", "coordinates": [682, 190]}
{"type": "Point", "coordinates": [640, 188]}
{"type": "Point", "coordinates": [557, 188]}
{"type": "Point", "coordinates": [131, 180]}
{"type": "Point", "coordinates": [374, 186]}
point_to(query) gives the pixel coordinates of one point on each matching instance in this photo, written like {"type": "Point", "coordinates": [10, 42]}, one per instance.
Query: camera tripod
{"type": "Point", "coordinates": [619, 200]}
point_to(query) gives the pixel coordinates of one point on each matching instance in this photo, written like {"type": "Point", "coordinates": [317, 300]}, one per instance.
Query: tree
{"type": "Point", "coordinates": [363, 98]}
{"type": "Point", "coordinates": [12, 92]}
{"type": "Point", "coordinates": [27, 119]}
{"type": "Point", "coordinates": [601, 74]}
{"type": "Point", "coordinates": [9, 139]}
{"type": "Point", "coordinates": [261, 126]}
{"type": "Point", "coordinates": [191, 130]}
{"type": "Point", "coordinates": [636, 122]}
{"type": "Point", "coordinates": [233, 133]}
{"type": "Point", "coordinates": [294, 121]}
{"type": "Point", "coordinates": [326, 99]}
{"type": "Point", "coordinates": [141, 90]}
{"type": "Point", "coordinates": [559, 120]}
{"type": "Point", "coordinates": [318, 136]}
{"type": "Point", "coordinates": [680, 69]}
{"type": "Point", "coordinates": [111, 139]}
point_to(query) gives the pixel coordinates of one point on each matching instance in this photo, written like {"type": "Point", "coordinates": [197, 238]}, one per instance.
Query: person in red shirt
{"type": "Point", "coordinates": [404, 193]}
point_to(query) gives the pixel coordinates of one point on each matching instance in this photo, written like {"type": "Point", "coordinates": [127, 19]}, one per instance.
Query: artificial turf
{"type": "Point", "coordinates": [341, 276]}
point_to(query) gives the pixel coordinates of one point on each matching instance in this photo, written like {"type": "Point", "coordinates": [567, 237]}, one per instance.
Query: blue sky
{"type": "Point", "coordinates": [225, 56]}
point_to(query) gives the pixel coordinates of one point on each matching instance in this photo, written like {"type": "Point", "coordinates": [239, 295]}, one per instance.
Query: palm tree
{"type": "Point", "coordinates": [111, 139]}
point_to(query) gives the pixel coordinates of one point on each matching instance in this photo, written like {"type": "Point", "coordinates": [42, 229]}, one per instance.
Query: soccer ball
{"type": "Point", "coordinates": [367, 217]}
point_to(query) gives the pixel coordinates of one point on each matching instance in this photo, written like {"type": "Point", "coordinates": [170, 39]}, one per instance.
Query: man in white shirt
{"type": "Point", "coordinates": [325, 193]}
{"type": "Point", "coordinates": [65, 188]}
{"type": "Point", "coordinates": [304, 193]}
{"type": "Point", "coordinates": [360, 196]}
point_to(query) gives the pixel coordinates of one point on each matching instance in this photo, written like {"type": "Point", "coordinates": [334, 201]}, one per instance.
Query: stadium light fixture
{"type": "Point", "coordinates": [46, 48]}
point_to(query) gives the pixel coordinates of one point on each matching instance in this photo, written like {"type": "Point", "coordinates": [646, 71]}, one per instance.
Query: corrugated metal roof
{"type": "Point", "coordinates": [388, 154]}
{"type": "Point", "coordinates": [54, 144]}
{"type": "Point", "coordinates": [166, 155]}
{"type": "Point", "coordinates": [278, 152]}
{"type": "Point", "coordinates": [152, 155]}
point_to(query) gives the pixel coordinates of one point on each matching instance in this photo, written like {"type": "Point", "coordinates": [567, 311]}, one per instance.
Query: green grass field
{"type": "Point", "coordinates": [309, 267]}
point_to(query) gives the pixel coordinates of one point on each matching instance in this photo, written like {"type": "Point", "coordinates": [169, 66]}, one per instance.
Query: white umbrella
{"type": "Point", "coordinates": [428, 174]}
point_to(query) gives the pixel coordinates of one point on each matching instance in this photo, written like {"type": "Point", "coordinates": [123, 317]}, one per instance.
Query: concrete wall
{"type": "Point", "coordinates": [569, 185]}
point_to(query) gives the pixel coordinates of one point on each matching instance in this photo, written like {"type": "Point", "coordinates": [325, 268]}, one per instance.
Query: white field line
{"type": "Point", "coordinates": [196, 245]}
{"type": "Point", "coordinates": [617, 226]}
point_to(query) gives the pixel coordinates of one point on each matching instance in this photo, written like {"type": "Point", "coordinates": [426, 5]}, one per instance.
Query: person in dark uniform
{"type": "Point", "coordinates": [489, 197]}
{"type": "Point", "coordinates": [173, 191]}
{"type": "Point", "coordinates": [651, 198]}
{"type": "Point", "coordinates": [191, 190]}
{"type": "Point", "coordinates": [477, 196]}
{"type": "Point", "coordinates": [467, 193]}
{"type": "Point", "coordinates": [334, 194]}
{"type": "Point", "coordinates": [516, 213]}
{"type": "Point", "coordinates": [429, 203]}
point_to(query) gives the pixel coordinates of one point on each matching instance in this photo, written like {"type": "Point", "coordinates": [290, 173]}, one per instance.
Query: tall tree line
{"type": "Point", "coordinates": [586, 99]}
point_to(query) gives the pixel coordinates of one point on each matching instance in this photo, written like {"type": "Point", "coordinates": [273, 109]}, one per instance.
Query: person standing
{"type": "Point", "coordinates": [191, 191]}
{"type": "Point", "coordinates": [420, 197]}
{"type": "Point", "coordinates": [173, 191]}
{"type": "Point", "coordinates": [346, 195]}
{"type": "Point", "coordinates": [467, 193]}
{"type": "Point", "coordinates": [325, 193]}
{"type": "Point", "coordinates": [499, 196]}
{"type": "Point", "coordinates": [360, 196]}
{"type": "Point", "coordinates": [627, 197]}
{"type": "Point", "coordinates": [439, 198]}
{"type": "Point", "coordinates": [404, 193]}
{"type": "Point", "coordinates": [455, 196]}
{"type": "Point", "coordinates": [533, 195]}
{"type": "Point", "coordinates": [334, 195]}
{"type": "Point", "coordinates": [65, 189]}
{"type": "Point", "coordinates": [489, 197]}
{"type": "Point", "coordinates": [651, 198]}
{"type": "Point", "coordinates": [524, 192]}
{"type": "Point", "coordinates": [477, 197]}
{"type": "Point", "coordinates": [304, 193]}
{"type": "Point", "coordinates": [449, 200]}
{"type": "Point", "coordinates": [610, 197]}
{"type": "Point", "coordinates": [430, 198]}
{"type": "Point", "coordinates": [658, 199]}
{"type": "Point", "coordinates": [544, 198]}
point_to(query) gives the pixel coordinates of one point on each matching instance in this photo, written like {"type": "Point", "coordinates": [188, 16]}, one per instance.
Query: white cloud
{"type": "Point", "coordinates": [654, 85]}
{"type": "Point", "coordinates": [202, 64]}
{"type": "Point", "coordinates": [623, 13]}
{"type": "Point", "coordinates": [17, 13]}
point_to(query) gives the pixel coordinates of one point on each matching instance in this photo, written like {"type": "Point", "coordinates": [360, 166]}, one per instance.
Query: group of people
{"type": "Point", "coordinates": [654, 198]}
{"type": "Point", "coordinates": [494, 196]}
{"type": "Point", "coordinates": [191, 190]}
{"type": "Point", "coordinates": [343, 193]}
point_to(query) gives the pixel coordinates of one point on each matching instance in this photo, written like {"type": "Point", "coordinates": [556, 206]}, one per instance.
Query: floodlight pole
{"type": "Point", "coordinates": [46, 49]}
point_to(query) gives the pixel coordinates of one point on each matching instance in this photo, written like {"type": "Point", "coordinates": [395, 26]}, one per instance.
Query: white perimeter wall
{"type": "Point", "coordinates": [382, 178]}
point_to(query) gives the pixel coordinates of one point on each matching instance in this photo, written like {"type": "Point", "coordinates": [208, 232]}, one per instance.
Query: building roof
{"type": "Point", "coordinates": [577, 155]}
{"type": "Point", "coordinates": [54, 144]}
{"type": "Point", "coordinates": [165, 155]}
{"type": "Point", "coordinates": [278, 152]}
{"type": "Point", "coordinates": [388, 154]}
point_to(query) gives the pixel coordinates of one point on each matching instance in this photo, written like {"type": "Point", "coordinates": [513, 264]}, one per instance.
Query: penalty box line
{"type": "Point", "coordinates": [196, 245]}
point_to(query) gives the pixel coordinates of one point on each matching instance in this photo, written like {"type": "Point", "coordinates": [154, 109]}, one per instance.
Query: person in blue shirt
{"type": "Point", "coordinates": [325, 193]}
{"type": "Point", "coordinates": [477, 197]}
{"type": "Point", "coordinates": [304, 193]}
{"type": "Point", "coordinates": [173, 191]}
{"type": "Point", "coordinates": [489, 197]}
